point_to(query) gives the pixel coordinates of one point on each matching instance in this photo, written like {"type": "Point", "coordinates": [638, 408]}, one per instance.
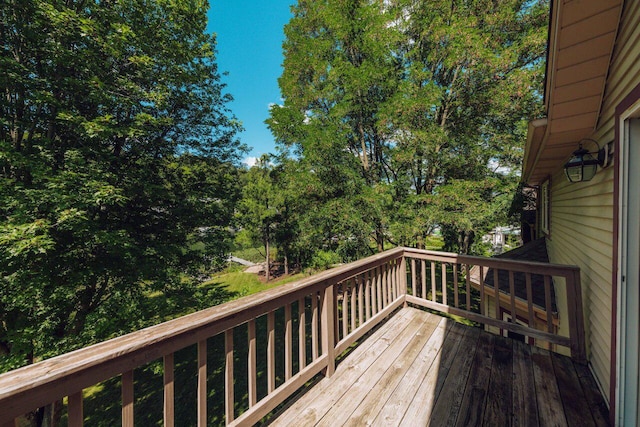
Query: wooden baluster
{"type": "Point", "coordinates": [74, 410]}
{"type": "Point", "coordinates": [456, 297]}
{"type": "Point", "coordinates": [576, 317]}
{"type": "Point", "coordinates": [391, 282]}
{"type": "Point", "coordinates": [496, 285]}
{"type": "Point", "coordinates": [345, 312]}
{"type": "Point", "coordinates": [532, 321]}
{"type": "Point", "coordinates": [252, 363]}
{"type": "Point", "coordinates": [271, 352]}
{"type": "Point", "coordinates": [229, 400]}
{"type": "Point", "coordinates": [379, 295]}
{"type": "Point", "coordinates": [386, 285]}
{"type": "Point", "coordinates": [302, 336]}
{"type": "Point", "coordinates": [360, 282]}
{"type": "Point", "coordinates": [468, 282]}
{"type": "Point", "coordinates": [433, 282]}
{"type": "Point", "coordinates": [169, 412]}
{"type": "Point", "coordinates": [288, 343]}
{"type": "Point", "coordinates": [314, 326]}
{"type": "Point", "coordinates": [512, 294]}
{"type": "Point", "coordinates": [202, 383]}
{"type": "Point", "coordinates": [482, 299]}
{"type": "Point", "coordinates": [383, 292]}
{"type": "Point", "coordinates": [444, 283]}
{"type": "Point", "coordinates": [336, 311]}
{"type": "Point", "coordinates": [353, 299]}
{"type": "Point", "coordinates": [328, 320]}
{"type": "Point", "coordinates": [367, 295]}
{"type": "Point", "coordinates": [547, 302]}
{"type": "Point", "coordinates": [127, 399]}
{"type": "Point", "coordinates": [423, 277]}
{"type": "Point", "coordinates": [402, 279]}
{"type": "Point", "coordinates": [395, 279]}
{"type": "Point", "coordinates": [413, 277]}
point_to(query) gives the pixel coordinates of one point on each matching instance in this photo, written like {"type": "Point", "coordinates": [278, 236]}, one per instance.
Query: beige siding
{"type": "Point", "coordinates": [582, 214]}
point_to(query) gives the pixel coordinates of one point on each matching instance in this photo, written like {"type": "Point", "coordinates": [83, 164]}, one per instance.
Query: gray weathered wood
{"type": "Point", "coordinates": [75, 410]}
{"type": "Point", "coordinates": [449, 400]}
{"type": "Point", "coordinates": [328, 330]}
{"type": "Point", "coordinates": [288, 343]}
{"type": "Point", "coordinates": [396, 368]}
{"type": "Point", "coordinates": [302, 334]}
{"type": "Point", "coordinates": [271, 352]}
{"type": "Point", "coordinates": [252, 367]}
{"type": "Point", "coordinates": [229, 401]}
{"type": "Point", "coordinates": [473, 403]}
{"type": "Point", "coordinates": [202, 383]}
{"type": "Point", "coordinates": [127, 399]}
{"type": "Point", "coordinates": [312, 406]}
{"type": "Point", "coordinates": [314, 326]}
{"type": "Point", "coordinates": [550, 410]}
{"type": "Point", "coordinates": [427, 361]}
{"type": "Point", "coordinates": [499, 386]}
{"type": "Point", "coordinates": [513, 327]}
{"type": "Point", "coordinates": [571, 392]}
{"type": "Point", "coordinates": [499, 407]}
{"type": "Point", "coordinates": [530, 300]}
{"type": "Point", "coordinates": [525, 408]}
{"type": "Point", "coordinates": [169, 412]}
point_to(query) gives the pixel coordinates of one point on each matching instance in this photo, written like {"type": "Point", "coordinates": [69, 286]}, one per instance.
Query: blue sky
{"type": "Point", "coordinates": [250, 35]}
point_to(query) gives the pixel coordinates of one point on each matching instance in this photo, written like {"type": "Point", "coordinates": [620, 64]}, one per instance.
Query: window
{"type": "Point", "coordinates": [544, 207]}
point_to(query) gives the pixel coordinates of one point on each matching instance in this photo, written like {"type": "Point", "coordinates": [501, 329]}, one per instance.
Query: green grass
{"type": "Point", "coordinates": [243, 284]}
{"type": "Point", "coordinates": [250, 254]}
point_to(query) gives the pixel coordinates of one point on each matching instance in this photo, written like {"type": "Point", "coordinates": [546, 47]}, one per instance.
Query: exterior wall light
{"type": "Point", "coordinates": [582, 165]}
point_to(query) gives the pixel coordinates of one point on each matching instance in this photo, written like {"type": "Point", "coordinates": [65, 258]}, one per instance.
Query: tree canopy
{"type": "Point", "coordinates": [410, 115]}
{"type": "Point", "coordinates": [118, 165]}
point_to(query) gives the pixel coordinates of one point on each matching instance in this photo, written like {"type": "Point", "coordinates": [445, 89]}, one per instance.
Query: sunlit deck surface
{"type": "Point", "coordinates": [423, 369]}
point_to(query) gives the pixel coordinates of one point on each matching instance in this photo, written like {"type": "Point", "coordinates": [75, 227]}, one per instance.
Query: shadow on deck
{"type": "Point", "coordinates": [423, 369]}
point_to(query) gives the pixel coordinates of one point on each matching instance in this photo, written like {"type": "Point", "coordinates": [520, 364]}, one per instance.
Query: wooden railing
{"type": "Point", "coordinates": [286, 336]}
{"type": "Point", "coordinates": [469, 287]}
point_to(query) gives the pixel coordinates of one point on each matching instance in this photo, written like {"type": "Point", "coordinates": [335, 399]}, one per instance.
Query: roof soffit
{"type": "Point", "coordinates": [581, 40]}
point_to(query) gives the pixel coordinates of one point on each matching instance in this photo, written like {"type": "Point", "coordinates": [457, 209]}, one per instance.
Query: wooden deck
{"type": "Point", "coordinates": [422, 369]}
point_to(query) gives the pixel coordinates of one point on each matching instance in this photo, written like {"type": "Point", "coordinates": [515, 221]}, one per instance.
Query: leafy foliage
{"type": "Point", "coordinates": [117, 166]}
{"type": "Point", "coordinates": [408, 115]}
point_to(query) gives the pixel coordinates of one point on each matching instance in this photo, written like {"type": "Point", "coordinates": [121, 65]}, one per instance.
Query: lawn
{"type": "Point", "coordinates": [242, 284]}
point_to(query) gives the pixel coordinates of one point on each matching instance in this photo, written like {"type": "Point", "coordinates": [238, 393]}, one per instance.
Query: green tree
{"type": "Point", "coordinates": [338, 72]}
{"type": "Point", "coordinates": [393, 104]}
{"type": "Point", "coordinates": [117, 156]}
{"type": "Point", "coordinates": [473, 76]}
{"type": "Point", "coordinates": [260, 206]}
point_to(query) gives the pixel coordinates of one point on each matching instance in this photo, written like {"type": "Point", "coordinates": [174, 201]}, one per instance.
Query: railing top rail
{"type": "Point", "coordinates": [139, 347]}
{"type": "Point", "coordinates": [500, 263]}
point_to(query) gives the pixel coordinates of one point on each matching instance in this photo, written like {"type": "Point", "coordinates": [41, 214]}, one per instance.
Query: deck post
{"type": "Point", "coordinates": [576, 317]}
{"type": "Point", "coordinates": [328, 328]}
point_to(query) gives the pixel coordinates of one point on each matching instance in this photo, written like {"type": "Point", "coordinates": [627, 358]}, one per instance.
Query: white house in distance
{"type": "Point", "coordinates": [592, 101]}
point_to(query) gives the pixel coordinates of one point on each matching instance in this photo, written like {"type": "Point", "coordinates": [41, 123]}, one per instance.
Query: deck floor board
{"type": "Point", "coordinates": [421, 369]}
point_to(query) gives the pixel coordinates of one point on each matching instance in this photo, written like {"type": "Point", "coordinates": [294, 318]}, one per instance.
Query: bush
{"type": "Point", "coordinates": [323, 260]}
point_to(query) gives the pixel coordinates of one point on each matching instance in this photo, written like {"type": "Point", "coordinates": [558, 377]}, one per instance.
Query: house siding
{"type": "Point", "coordinates": [582, 213]}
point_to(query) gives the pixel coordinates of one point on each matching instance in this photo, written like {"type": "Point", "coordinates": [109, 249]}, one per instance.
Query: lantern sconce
{"type": "Point", "coordinates": [582, 165]}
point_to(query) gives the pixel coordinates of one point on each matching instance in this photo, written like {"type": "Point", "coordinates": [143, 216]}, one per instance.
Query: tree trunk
{"type": "Point", "coordinates": [266, 247]}
{"type": "Point", "coordinates": [379, 239]}
{"type": "Point", "coordinates": [286, 264]}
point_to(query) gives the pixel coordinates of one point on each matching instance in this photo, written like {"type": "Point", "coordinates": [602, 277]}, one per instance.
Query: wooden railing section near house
{"type": "Point", "coordinates": [443, 282]}
{"type": "Point", "coordinates": [306, 325]}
